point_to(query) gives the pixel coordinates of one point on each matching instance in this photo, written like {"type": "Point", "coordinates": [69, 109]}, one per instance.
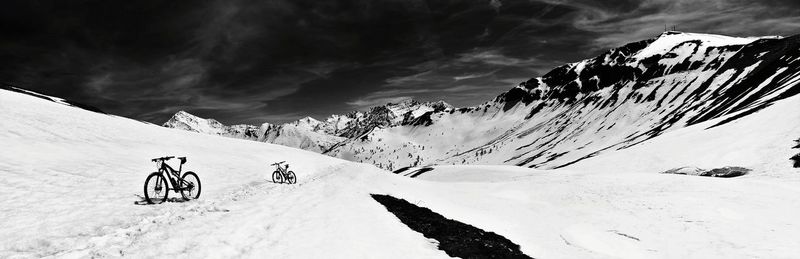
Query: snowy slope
{"type": "Point", "coordinates": [624, 97]}
{"type": "Point", "coordinates": [762, 141]}
{"type": "Point", "coordinates": [49, 98]}
{"type": "Point", "coordinates": [621, 207]}
{"type": "Point", "coordinates": [72, 176]}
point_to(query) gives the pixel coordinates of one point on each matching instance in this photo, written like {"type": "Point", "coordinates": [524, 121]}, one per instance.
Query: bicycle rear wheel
{"type": "Point", "coordinates": [291, 178]}
{"type": "Point", "coordinates": [155, 188]}
{"type": "Point", "coordinates": [276, 177]}
{"type": "Point", "coordinates": [190, 188]}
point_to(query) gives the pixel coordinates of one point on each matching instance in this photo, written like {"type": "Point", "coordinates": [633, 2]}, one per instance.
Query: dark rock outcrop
{"type": "Point", "coordinates": [723, 172]}
{"type": "Point", "coordinates": [796, 158]}
{"type": "Point", "coordinates": [455, 238]}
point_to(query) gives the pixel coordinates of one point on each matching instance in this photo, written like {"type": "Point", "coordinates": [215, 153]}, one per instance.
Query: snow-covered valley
{"type": "Point", "coordinates": [72, 178]}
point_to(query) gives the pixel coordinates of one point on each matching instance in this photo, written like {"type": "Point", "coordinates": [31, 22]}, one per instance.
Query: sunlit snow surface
{"type": "Point", "coordinates": [70, 178]}
{"type": "Point", "coordinates": [667, 42]}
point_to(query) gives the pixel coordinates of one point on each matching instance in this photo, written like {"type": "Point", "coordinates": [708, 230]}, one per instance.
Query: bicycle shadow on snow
{"type": "Point", "coordinates": [143, 201]}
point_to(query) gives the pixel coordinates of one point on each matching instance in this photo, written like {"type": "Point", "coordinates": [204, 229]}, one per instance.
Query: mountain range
{"type": "Point", "coordinates": [619, 99]}
{"type": "Point", "coordinates": [311, 134]}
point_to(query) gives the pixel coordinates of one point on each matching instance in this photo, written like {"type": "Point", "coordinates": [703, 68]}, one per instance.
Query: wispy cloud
{"type": "Point", "coordinates": [471, 76]}
{"type": "Point", "coordinates": [729, 17]}
{"type": "Point", "coordinates": [494, 57]}
{"type": "Point", "coordinates": [243, 61]}
{"type": "Point", "coordinates": [376, 101]}
{"type": "Point", "coordinates": [415, 78]}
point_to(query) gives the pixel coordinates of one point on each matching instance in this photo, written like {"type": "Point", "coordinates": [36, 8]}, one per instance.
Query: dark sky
{"type": "Point", "coordinates": [245, 61]}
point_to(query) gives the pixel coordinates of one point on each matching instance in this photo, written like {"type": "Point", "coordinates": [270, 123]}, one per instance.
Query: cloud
{"type": "Point", "coordinates": [415, 78]}
{"type": "Point", "coordinates": [493, 57]}
{"type": "Point", "coordinates": [244, 61]}
{"type": "Point", "coordinates": [370, 102]}
{"type": "Point", "coordinates": [496, 4]}
{"type": "Point", "coordinates": [471, 76]}
{"type": "Point", "coordinates": [728, 17]}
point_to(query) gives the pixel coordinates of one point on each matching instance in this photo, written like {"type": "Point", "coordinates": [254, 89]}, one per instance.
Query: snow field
{"type": "Point", "coordinates": [72, 178]}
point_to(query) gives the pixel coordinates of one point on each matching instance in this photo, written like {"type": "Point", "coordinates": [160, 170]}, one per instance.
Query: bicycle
{"type": "Point", "coordinates": [283, 173]}
{"type": "Point", "coordinates": [156, 183]}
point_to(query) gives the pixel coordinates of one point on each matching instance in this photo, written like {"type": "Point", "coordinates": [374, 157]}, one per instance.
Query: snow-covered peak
{"type": "Point", "coordinates": [187, 121]}
{"type": "Point", "coordinates": [307, 122]}
{"type": "Point", "coordinates": [670, 39]}
{"type": "Point", "coordinates": [306, 133]}
{"type": "Point", "coordinates": [309, 119]}
{"type": "Point", "coordinates": [183, 116]}
{"type": "Point", "coordinates": [416, 108]}
{"type": "Point", "coordinates": [671, 53]}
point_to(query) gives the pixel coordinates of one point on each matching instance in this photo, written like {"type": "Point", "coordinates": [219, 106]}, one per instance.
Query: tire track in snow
{"type": "Point", "coordinates": [115, 240]}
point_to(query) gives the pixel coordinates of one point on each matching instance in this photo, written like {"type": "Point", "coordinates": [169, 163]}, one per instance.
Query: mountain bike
{"type": "Point", "coordinates": [282, 174]}
{"type": "Point", "coordinates": [156, 188]}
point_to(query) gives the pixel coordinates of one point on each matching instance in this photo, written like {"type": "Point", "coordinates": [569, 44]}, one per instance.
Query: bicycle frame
{"type": "Point", "coordinates": [283, 170]}
{"type": "Point", "coordinates": [172, 175]}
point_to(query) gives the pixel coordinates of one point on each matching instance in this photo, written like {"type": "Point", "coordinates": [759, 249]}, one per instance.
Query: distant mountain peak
{"type": "Point", "coordinates": [187, 121]}
{"type": "Point", "coordinates": [409, 101]}
{"type": "Point", "coordinates": [184, 114]}
{"type": "Point", "coordinates": [308, 118]}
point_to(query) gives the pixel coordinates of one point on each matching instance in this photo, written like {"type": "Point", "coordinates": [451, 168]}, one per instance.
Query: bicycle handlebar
{"type": "Point", "coordinates": [278, 163]}
{"type": "Point", "coordinates": [162, 158]}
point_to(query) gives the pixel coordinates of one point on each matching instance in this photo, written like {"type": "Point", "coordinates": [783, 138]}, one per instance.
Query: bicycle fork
{"type": "Point", "coordinates": [158, 185]}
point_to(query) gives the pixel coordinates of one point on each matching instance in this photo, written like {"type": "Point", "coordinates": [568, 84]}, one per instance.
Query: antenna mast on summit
{"type": "Point", "coordinates": [674, 28]}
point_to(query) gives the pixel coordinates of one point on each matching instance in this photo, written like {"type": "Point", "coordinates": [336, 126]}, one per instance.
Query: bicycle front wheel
{"type": "Point", "coordinates": [276, 177]}
{"type": "Point", "coordinates": [155, 188]}
{"type": "Point", "coordinates": [190, 188]}
{"type": "Point", "coordinates": [291, 178]}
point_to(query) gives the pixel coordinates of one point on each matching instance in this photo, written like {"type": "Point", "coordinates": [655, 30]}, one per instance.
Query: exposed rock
{"type": "Point", "coordinates": [727, 172]}
{"type": "Point", "coordinates": [455, 238]}
{"type": "Point", "coordinates": [724, 172]}
{"type": "Point", "coordinates": [796, 158]}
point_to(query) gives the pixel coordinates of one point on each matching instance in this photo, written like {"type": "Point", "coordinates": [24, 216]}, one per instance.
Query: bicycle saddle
{"type": "Point", "coordinates": [183, 159]}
